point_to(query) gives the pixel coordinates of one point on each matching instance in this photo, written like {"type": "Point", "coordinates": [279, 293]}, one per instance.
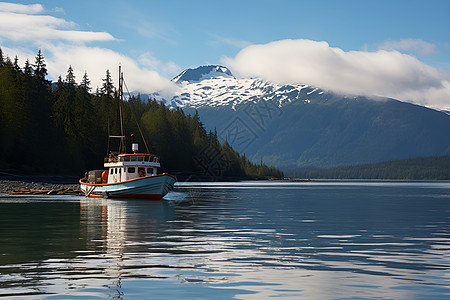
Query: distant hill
{"type": "Point", "coordinates": [422, 168]}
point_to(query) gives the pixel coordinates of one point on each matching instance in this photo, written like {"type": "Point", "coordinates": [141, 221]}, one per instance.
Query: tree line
{"type": "Point", "coordinates": [62, 128]}
{"type": "Point", "coordinates": [421, 168]}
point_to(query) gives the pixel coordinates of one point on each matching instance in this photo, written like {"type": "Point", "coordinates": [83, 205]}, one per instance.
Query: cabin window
{"type": "Point", "coordinates": [149, 170]}
{"type": "Point", "coordinates": [131, 170]}
{"type": "Point", "coordinates": [120, 170]}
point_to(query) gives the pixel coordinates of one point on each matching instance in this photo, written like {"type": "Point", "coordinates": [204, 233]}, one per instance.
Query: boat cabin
{"type": "Point", "coordinates": [131, 166]}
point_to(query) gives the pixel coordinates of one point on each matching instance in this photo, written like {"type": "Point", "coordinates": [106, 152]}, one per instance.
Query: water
{"type": "Point", "coordinates": [253, 240]}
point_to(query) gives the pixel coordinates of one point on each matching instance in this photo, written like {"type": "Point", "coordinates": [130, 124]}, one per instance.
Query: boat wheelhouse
{"type": "Point", "coordinates": [131, 166]}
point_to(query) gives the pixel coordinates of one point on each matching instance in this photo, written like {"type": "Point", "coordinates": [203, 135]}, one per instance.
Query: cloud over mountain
{"type": "Point", "coordinates": [381, 73]}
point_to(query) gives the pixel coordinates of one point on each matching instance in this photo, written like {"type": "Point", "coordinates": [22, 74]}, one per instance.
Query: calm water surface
{"type": "Point", "coordinates": [252, 240]}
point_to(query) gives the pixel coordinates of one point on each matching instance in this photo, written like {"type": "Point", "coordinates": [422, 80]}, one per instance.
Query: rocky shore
{"type": "Point", "coordinates": [39, 185]}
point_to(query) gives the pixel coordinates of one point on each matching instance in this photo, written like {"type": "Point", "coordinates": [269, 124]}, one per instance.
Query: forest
{"type": "Point", "coordinates": [420, 168]}
{"type": "Point", "coordinates": [62, 128]}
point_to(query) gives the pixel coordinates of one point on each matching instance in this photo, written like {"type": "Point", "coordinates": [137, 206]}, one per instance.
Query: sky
{"type": "Point", "coordinates": [398, 49]}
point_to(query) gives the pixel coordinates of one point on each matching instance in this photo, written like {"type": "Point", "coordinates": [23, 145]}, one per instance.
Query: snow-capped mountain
{"type": "Point", "coordinates": [202, 73]}
{"type": "Point", "coordinates": [296, 125]}
{"type": "Point", "coordinates": [215, 86]}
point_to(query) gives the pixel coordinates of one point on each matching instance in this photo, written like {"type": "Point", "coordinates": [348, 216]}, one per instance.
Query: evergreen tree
{"type": "Point", "coordinates": [108, 86]}
{"type": "Point", "coordinates": [60, 82]}
{"type": "Point", "coordinates": [70, 77]}
{"type": "Point", "coordinates": [40, 69]}
{"type": "Point", "coordinates": [27, 70]}
{"type": "Point", "coordinates": [85, 83]}
{"type": "Point", "coordinates": [16, 64]}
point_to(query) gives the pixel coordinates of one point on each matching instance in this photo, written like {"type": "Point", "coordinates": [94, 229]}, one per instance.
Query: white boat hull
{"type": "Point", "coordinates": [151, 187]}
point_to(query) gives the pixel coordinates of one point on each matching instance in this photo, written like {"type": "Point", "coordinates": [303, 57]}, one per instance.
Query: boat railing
{"type": "Point", "coordinates": [142, 158]}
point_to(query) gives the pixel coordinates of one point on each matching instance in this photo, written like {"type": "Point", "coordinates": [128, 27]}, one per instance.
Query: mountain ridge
{"type": "Point", "coordinates": [297, 125]}
{"type": "Point", "coordinates": [201, 73]}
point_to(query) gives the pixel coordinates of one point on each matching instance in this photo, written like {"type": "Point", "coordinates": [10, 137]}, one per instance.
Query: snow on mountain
{"type": "Point", "coordinates": [216, 86]}
{"type": "Point", "coordinates": [201, 73]}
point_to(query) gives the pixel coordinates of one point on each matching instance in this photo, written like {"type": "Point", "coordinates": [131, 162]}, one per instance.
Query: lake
{"type": "Point", "coordinates": [245, 240]}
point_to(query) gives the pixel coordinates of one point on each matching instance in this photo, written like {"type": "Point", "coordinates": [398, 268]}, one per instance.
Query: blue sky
{"type": "Point", "coordinates": [158, 39]}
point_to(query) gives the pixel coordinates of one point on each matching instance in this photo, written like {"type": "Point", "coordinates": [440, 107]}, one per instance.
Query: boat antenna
{"type": "Point", "coordinates": [137, 122]}
{"type": "Point", "coordinates": [122, 147]}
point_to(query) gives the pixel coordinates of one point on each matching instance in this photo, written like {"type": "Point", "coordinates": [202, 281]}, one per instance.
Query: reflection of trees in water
{"type": "Point", "coordinates": [37, 231]}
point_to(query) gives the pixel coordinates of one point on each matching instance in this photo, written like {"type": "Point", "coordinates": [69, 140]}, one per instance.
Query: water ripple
{"type": "Point", "coordinates": [232, 240]}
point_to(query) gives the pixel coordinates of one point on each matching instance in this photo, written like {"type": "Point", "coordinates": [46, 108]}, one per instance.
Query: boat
{"type": "Point", "coordinates": [127, 175]}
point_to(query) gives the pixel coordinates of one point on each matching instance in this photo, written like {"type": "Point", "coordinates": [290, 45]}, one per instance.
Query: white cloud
{"type": "Point", "coordinates": [63, 46]}
{"type": "Point", "coordinates": [381, 73]}
{"type": "Point", "coordinates": [19, 27]}
{"type": "Point", "coordinates": [59, 10]}
{"type": "Point", "coordinates": [417, 46]}
{"type": "Point", "coordinates": [148, 60]}
{"type": "Point", "coordinates": [21, 8]}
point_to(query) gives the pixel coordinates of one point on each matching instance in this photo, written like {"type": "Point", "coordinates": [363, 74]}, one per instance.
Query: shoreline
{"type": "Point", "coordinates": [38, 184]}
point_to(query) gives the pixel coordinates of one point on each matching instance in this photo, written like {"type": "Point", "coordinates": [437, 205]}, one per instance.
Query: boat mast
{"type": "Point", "coordinates": [122, 147]}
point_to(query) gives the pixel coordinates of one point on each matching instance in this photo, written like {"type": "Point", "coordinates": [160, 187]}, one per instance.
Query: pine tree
{"type": "Point", "coordinates": [108, 86]}
{"type": "Point", "coordinates": [85, 83]}
{"type": "Point", "coordinates": [40, 69]}
{"type": "Point", "coordinates": [16, 64]}
{"type": "Point", "coordinates": [70, 77]}
{"type": "Point", "coordinates": [27, 70]}
{"type": "Point", "coordinates": [60, 82]}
